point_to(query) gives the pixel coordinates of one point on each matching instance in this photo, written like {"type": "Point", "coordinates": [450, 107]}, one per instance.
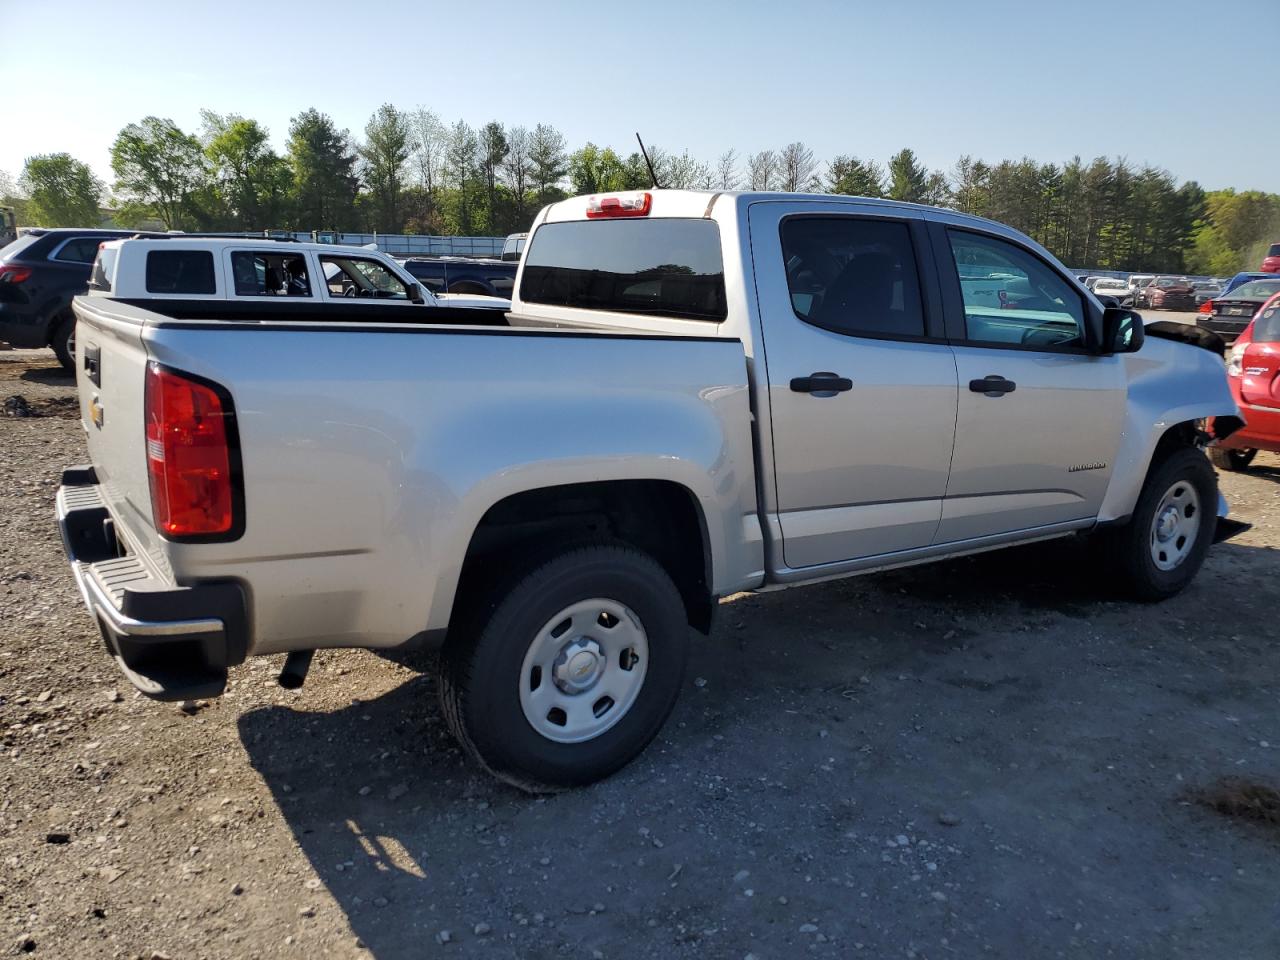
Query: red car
{"type": "Point", "coordinates": [1167, 293]}
{"type": "Point", "coordinates": [1271, 262]}
{"type": "Point", "coordinates": [1253, 372]}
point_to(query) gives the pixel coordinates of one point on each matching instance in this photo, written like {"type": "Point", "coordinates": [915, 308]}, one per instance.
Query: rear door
{"type": "Point", "coordinates": [1039, 417]}
{"type": "Point", "coordinates": [861, 384]}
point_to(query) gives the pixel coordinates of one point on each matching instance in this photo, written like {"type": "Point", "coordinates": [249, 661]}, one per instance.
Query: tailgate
{"type": "Point", "coordinates": [111, 362]}
{"type": "Point", "coordinates": [1260, 380]}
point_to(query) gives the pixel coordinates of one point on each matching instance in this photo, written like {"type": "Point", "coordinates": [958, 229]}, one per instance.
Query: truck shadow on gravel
{"type": "Point", "coordinates": [978, 753]}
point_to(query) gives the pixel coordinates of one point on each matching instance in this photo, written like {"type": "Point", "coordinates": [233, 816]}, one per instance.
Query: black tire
{"type": "Point", "coordinates": [482, 662]}
{"type": "Point", "coordinates": [1232, 459]}
{"type": "Point", "coordinates": [63, 343]}
{"type": "Point", "coordinates": [1129, 548]}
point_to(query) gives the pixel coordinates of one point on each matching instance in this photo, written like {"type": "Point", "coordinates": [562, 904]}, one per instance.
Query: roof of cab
{"type": "Point", "coordinates": [701, 203]}
{"type": "Point", "coordinates": [284, 247]}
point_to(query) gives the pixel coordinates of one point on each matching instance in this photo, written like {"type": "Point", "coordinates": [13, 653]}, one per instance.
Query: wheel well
{"type": "Point", "coordinates": [657, 516]}
{"type": "Point", "coordinates": [1189, 433]}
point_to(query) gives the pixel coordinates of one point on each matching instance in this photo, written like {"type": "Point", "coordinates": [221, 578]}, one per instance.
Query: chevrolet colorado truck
{"type": "Point", "coordinates": [694, 394]}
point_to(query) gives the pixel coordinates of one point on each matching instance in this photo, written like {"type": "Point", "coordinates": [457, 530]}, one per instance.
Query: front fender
{"type": "Point", "coordinates": [1169, 383]}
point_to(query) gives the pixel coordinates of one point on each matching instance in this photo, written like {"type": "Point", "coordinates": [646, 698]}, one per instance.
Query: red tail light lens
{"type": "Point", "coordinates": [12, 273]}
{"type": "Point", "coordinates": [622, 205]}
{"type": "Point", "coordinates": [1206, 307]}
{"type": "Point", "coordinates": [190, 437]}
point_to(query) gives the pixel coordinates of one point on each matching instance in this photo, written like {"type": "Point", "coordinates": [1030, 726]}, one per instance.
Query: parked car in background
{"type": "Point", "coordinates": [1242, 278]}
{"type": "Point", "coordinates": [1271, 262]}
{"type": "Point", "coordinates": [1139, 280]}
{"type": "Point", "coordinates": [514, 246]}
{"type": "Point", "coordinates": [40, 272]}
{"type": "Point", "coordinates": [1253, 373]}
{"type": "Point", "coordinates": [1166, 293]}
{"type": "Point", "coordinates": [1112, 287]}
{"type": "Point", "coordinates": [8, 226]}
{"type": "Point", "coordinates": [214, 273]}
{"type": "Point", "coordinates": [555, 497]}
{"type": "Point", "coordinates": [1206, 290]}
{"type": "Point", "coordinates": [1228, 315]}
{"type": "Point", "coordinates": [489, 277]}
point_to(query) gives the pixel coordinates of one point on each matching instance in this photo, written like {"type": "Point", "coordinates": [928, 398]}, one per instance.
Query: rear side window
{"type": "Point", "coordinates": [668, 268]}
{"type": "Point", "coordinates": [1266, 328]}
{"type": "Point", "coordinates": [853, 275]}
{"type": "Point", "coordinates": [180, 271]}
{"type": "Point", "coordinates": [79, 250]}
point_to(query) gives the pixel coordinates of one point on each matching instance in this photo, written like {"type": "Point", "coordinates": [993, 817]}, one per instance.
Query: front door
{"type": "Point", "coordinates": [1039, 417]}
{"type": "Point", "coordinates": [861, 386]}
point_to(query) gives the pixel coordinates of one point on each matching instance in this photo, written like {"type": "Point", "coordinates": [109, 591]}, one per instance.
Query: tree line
{"type": "Point", "coordinates": [411, 172]}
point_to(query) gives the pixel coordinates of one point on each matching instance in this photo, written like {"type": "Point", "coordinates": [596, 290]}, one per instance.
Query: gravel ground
{"type": "Point", "coordinates": [979, 758]}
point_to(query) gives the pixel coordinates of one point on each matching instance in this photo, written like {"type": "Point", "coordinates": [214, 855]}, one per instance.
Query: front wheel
{"type": "Point", "coordinates": [1232, 459]}
{"type": "Point", "coordinates": [1163, 546]}
{"type": "Point", "coordinates": [565, 677]}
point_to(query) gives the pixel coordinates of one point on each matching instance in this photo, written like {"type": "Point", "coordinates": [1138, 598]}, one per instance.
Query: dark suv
{"type": "Point", "coordinates": [493, 278]}
{"type": "Point", "coordinates": [39, 274]}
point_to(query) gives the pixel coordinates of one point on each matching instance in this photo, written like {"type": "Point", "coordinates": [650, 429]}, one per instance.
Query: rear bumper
{"type": "Point", "coordinates": [1227, 329]}
{"type": "Point", "coordinates": [171, 642]}
{"type": "Point", "coordinates": [1261, 430]}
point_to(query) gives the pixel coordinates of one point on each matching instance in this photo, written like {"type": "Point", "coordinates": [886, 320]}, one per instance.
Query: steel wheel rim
{"type": "Point", "coordinates": [1175, 526]}
{"type": "Point", "coordinates": [584, 670]}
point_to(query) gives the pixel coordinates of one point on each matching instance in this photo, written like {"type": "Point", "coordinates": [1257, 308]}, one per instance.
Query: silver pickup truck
{"type": "Point", "coordinates": [694, 394]}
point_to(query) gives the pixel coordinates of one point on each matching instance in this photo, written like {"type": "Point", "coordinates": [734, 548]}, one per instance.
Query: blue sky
{"type": "Point", "coordinates": [1169, 82]}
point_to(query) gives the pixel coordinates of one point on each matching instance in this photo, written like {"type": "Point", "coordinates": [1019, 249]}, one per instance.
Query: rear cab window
{"type": "Point", "coordinates": [177, 272]}
{"type": "Point", "coordinates": [660, 267]}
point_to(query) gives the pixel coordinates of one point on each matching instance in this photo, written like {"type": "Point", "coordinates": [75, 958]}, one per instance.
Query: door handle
{"type": "Point", "coordinates": [823, 384]}
{"type": "Point", "coordinates": [993, 385]}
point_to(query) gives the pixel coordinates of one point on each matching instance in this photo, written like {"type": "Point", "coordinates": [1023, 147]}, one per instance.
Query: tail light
{"type": "Point", "coordinates": [1206, 307]}
{"type": "Point", "coordinates": [12, 273]}
{"type": "Point", "coordinates": [192, 457]}
{"type": "Point", "coordinates": [622, 205]}
{"type": "Point", "coordinates": [1235, 363]}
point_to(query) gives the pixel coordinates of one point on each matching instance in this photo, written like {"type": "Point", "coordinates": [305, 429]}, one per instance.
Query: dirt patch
{"type": "Point", "coordinates": [1242, 799]}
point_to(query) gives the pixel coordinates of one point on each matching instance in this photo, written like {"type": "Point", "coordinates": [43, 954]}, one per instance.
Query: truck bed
{"type": "Point", "coordinates": [371, 446]}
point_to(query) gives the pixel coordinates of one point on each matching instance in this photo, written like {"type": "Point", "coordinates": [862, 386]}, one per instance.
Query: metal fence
{"type": "Point", "coordinates": [416, 245]}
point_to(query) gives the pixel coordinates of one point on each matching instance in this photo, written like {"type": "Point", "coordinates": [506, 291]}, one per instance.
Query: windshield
{"type": "Point", "coordinates": [1256, 290]}
{"type": "Point", "coordinates": [1274, 251]}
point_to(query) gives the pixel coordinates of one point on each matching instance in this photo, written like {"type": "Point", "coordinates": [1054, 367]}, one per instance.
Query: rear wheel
{"type": "Point", "coordinates": [64, 343]}
{"type": "Point", "coordinates": [1164, 544]}
{"type": "Point", "coordinates": [564, 677]}
{"type": "Point", "coordinates": [1232, 459]}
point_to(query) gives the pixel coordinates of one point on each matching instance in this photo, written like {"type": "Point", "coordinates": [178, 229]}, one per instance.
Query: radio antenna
{"type": "Point", "coordinates": [648, 163]}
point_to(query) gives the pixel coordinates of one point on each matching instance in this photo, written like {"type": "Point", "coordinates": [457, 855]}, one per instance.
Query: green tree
{"type": "Point", "coordinates": [324, 179]}
{"type": "Point", "coordinates": [517, 173]}
{"type": "Point", "coordinates": [252, 179]}
{"type": "Point", "coordinates": [385, 152]}
{"type": "Point", "coordinates": [61, 191]}
{"type": "Point", "coordinates": [460, 171]}
{"type": "Point", "coordinates": [855, 178]}
{"type": "Point", "coordinates": [550, 161]}
{"type": "Point", "coordinates": [908, 179]}
{"type": "Point", "coordinates": [492, 151]}
{"type": "Point", "coordinates": [160, 167]}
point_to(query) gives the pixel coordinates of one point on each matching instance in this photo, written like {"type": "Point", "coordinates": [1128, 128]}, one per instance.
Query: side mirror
{"type": "Point", "coordinates": [416, 294]}
{"type": "Point", "coordinates": [1122, 331]}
